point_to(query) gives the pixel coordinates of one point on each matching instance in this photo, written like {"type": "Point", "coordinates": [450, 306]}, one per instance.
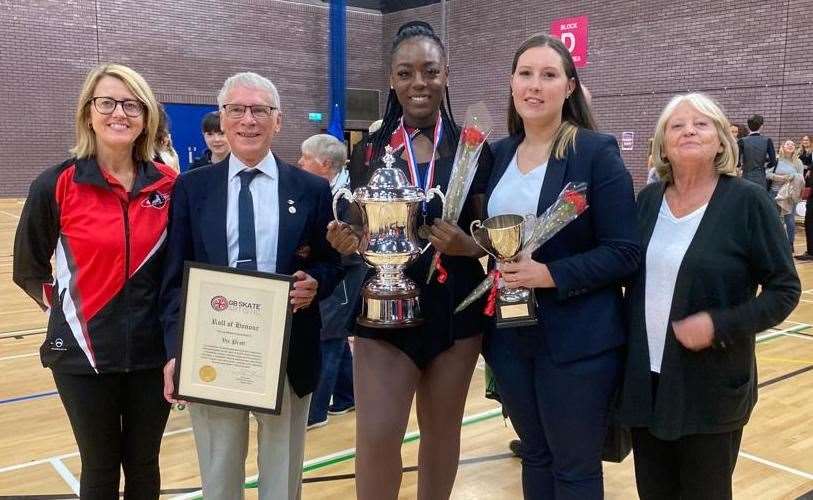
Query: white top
{"type": "Point", "coordinates": [517, 193]}
{"type": "Point", "coordinates": [667, 247]}
{"type": "Point", "coordinates": [265, 196]}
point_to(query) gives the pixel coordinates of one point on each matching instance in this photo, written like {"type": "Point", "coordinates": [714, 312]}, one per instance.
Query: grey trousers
{"type": "Point", "coordinates": [221, 439]}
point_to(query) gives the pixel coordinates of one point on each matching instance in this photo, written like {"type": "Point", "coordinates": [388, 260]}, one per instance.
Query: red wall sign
{"type": "Point", "coordinates": [573, 33]}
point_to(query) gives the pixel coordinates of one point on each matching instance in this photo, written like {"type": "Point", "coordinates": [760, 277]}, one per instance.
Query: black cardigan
{"type": "Point", "coordinates": [739, 245]}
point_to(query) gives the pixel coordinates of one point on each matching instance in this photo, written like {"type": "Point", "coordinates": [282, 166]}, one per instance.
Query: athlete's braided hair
{"type": "Point", "coordinates": [394, 111]}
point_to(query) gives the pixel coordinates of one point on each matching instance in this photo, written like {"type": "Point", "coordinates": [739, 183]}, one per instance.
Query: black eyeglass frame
{"type": "Point", "coordinates": [245, 107]}
{"type": "Point", "coordinates": [118, 102]}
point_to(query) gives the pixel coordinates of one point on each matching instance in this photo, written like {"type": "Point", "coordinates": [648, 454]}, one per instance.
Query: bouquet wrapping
{"type": "Point", "coordinates": [476, 128]}
{"type": "Point", "coordinates": [570, 203]}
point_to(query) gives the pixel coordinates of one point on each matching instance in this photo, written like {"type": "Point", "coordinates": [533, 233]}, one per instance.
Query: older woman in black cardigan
{"type": "Point", "coordinates": [710, 240]}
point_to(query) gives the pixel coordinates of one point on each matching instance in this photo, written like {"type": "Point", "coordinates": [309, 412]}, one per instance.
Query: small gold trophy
{"type": "Point", "coordinates": [502, 237]}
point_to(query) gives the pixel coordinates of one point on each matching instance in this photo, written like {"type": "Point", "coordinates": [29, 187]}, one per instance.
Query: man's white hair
{"type": "Point", "coordinates": [251, 80]}
{"type": "Point", "coordinates": [326, 147]}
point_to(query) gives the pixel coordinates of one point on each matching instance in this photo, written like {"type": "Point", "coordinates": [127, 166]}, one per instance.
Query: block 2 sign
{"type": "Point", "coordinates": [573, 33]}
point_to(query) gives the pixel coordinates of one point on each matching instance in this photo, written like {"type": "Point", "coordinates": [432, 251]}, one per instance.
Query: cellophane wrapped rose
{"type": "Point", "coordinates": [476, 128]}
{"type": "Point", "coordinates": [570, 203]}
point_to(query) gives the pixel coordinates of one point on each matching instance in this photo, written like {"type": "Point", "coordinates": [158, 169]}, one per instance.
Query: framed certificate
{"type": "Point", "coordinates": [233, 337]}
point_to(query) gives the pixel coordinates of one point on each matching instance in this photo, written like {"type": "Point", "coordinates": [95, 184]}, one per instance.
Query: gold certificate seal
{"type": "Point", "coordinates": [208, 373]}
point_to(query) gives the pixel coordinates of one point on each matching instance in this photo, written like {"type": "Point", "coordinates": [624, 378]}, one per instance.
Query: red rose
{"type": "Point", "coordinates": [472, 137]}
{"type": "Point", "coordinates": [577, 200]}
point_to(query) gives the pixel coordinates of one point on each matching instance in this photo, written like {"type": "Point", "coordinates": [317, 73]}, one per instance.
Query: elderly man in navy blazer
{"type": "Point", "coordinates": [253, 211]}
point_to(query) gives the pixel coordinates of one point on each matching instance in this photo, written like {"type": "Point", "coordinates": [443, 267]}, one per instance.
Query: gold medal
{"type": "Point", "coordinates": [424, 232]}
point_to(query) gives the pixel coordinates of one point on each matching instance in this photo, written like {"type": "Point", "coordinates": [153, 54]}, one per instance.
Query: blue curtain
{"type": "Point", "coordinates": [338, 68]}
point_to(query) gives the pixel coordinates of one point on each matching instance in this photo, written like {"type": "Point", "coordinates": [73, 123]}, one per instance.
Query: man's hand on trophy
{"type": "Point", "coordinates": [341, 237]}
{"type": "Point", "coordinates": [449, 239]}
{"type": "Point", "coordinates": [304, 290]}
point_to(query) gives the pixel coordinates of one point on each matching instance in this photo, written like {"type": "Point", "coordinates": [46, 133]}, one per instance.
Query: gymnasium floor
{"type": "Point", "coordinates": [39, 460]}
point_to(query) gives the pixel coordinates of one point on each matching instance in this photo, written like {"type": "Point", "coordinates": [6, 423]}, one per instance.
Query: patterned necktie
{"type": "Point", "coordinates": [246, 240]}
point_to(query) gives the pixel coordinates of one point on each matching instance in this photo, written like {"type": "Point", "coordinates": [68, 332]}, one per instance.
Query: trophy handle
{"type": "Point", "coordinates": [435, 191]}
{"type": "Point", "coordinates": [430, 194]}
{"type": "Point", "coordinates": [341, 193]}
{"type": "Point", "coordinates": [473, 227]}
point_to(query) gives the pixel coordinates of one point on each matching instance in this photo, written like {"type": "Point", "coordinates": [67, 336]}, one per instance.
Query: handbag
{"type": "Point", "coordinates": [769, 182]}
{"type": "Point", "coordinates": [617, 443]}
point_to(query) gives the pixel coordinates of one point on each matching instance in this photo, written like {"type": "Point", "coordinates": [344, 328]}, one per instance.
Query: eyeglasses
{"type": "Point", "coordinates": [107, 105]}
{"type": "Point", "coordinates": [260, 112]}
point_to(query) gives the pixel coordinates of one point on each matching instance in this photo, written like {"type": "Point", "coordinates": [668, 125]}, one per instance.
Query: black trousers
{"type": "Point", "coordinates": [118, 420]}
{"type": "Point", "coordinates": [698, 466]}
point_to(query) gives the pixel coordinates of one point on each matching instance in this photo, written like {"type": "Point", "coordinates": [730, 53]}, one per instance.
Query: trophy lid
{"type": "Point", "coordinates": [389, 184]}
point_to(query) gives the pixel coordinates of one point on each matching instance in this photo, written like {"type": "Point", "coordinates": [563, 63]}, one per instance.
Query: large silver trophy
{"type": "Point", "coordinates": [389, 210]}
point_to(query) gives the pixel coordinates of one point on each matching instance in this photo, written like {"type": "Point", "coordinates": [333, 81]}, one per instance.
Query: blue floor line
{"type": "Point", "coordinates": [29, 397]}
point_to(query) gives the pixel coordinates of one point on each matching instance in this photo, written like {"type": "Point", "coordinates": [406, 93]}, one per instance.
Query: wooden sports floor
{"type": "Point", "coordinates": [39, 459]}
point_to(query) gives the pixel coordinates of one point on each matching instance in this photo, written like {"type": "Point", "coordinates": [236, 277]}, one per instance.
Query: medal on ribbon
{"type": "Point", "coordinates": [412, 163]}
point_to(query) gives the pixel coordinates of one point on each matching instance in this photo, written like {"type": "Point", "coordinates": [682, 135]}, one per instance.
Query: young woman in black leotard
{"type": "Point", "coordinates": [433, 362]}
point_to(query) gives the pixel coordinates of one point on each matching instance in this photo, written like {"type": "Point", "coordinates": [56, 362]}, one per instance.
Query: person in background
{"type": "Point", "coordinates": [164, 152]}
{"type": "Point", "coordinates": [738, 130]}
{"type": "Point", "coordinates": [805, 152]}
{"type": "Point", "coordinates": [710, 241]}
{"type": "Point", "coordinates": [756, 153]}
{"type": "Point", "coordinates": [326, 156]}
{"type": "Point", "coordinates": [102, 216]}
{"type": "Point", "coordinates": [217, 146]}
{"type": "Point", "coordinates": [787, 182]}
{"type": "Point", "coordinates": [806, 157]}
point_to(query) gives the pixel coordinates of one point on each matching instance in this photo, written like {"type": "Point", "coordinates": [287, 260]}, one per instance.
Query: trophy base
{"type": "Point", "coordinates": [390, 310]}
{"type": "Point", "coordinates": [517, 313]}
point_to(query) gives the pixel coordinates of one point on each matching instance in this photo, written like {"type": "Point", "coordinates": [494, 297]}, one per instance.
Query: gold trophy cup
{"type": "Point", "coordinates": [502, 237]}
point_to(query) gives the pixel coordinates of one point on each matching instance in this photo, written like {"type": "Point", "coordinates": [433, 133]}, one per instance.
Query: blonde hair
{"type": "Point", "coordinates": [793, 157]}
{"type": "Point", "coordinates": [725, 162]}
{"type": "Point", "coordinates": [144, 147]}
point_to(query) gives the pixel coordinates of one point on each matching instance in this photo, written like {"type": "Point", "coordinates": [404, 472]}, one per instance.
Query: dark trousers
{"type": "Point", "coordinates": [558, 410]}
{"type": "Point", "coordinates": [698, 466]}
{"type": "Point", "coordinates": [336, 380]}
{"type": "Point", "coordinates": [118, 420]}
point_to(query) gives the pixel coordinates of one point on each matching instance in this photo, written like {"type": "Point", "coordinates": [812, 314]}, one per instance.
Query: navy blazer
{"type": "Point", "coordinates": [197, 232]}
{"type": "Point", "coordinates": [582, 316]}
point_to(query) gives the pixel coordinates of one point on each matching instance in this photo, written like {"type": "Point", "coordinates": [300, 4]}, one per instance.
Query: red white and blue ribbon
{"type": "Point", "coordinates": [412, 163]}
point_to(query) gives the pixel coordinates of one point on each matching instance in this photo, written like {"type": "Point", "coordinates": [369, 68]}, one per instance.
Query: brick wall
{"type": "Point", "coordinates": [753, 56]}
{"type": "Point", "coordinates": [185, 50]}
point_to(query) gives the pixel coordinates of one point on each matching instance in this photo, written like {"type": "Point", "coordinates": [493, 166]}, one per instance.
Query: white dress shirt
{"type": "Point", "coordinates": [517, 193]}
{"type": "Point", "coordinates": [265, 196]}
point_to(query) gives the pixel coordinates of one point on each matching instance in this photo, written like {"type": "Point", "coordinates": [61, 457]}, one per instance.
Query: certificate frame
{"type": "Point", "coordinates": [233, 346]}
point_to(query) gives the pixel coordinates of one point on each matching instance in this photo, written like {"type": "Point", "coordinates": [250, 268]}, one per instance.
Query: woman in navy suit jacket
{"type": "Point", "coordinates": [557, 378]}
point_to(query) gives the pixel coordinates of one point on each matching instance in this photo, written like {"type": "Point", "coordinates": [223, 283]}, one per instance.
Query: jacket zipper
{"type": "Point", "coordinates": [126, 213]}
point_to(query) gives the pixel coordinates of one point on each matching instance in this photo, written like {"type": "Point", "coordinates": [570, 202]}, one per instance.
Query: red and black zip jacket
{"type": "Point", "coordinates": [108, 246]}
